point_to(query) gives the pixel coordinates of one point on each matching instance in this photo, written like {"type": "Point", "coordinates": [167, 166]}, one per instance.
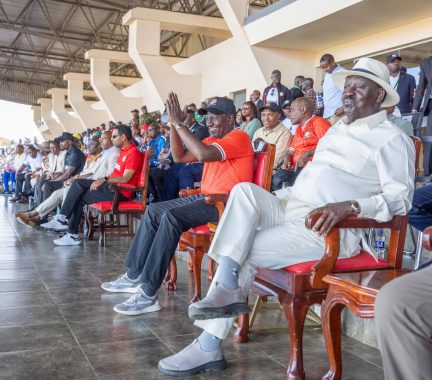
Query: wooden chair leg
{"type": "Point", "coordinates": [190, 264]}
{"type": "Point", "coordinates": [211, 269]}
{"type": "Point", "coordinates": [331, 323]}
{"type": "Point", "coordinates": [172, 275]}
{"type": "Point", "coordinates": [130, 228]}
{"type": "Point", "coordinates": [101, 221]}
{"type": "Point", "coordinates": [90, 221]}
{"type": "Point", "coordinates": [197, 255]}
{"type": "Point", "coordinates": [295, 309]}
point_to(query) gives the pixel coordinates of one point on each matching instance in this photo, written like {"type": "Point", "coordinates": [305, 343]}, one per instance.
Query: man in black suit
{"type": "Point", "coordinates": [424, 92]}
{"type": "Point", "coordinates": [277, 92]}
{"type": "Point", "coordinates": [402, 82]}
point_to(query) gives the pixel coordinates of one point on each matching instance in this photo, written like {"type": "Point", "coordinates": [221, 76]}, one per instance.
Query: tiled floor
{"type": "Point", "coordinates": [56, 322]}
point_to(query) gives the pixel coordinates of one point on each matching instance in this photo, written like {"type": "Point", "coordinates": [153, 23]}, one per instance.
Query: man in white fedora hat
{"type": "Point", "coordinates": [353, 172]}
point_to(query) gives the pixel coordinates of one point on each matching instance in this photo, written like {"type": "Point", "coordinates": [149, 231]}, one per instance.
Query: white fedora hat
{"type": "Point", "coordinates": [374, 70]}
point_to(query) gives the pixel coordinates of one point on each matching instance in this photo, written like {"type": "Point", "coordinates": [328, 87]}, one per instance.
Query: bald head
{"type": "Point", "coordinates": [105, 140]}
{"type": "Point", "coordinates": [301, 110]}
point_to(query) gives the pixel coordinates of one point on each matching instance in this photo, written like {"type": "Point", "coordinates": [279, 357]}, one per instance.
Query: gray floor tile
{"type": "Point", "coordinates": [18, 274]}
{"type": "Point", "coordinates": [19, 285]}
{"type": "Point", "coordinates": [25, 299]}
{"type": "Point", "coordinates": [30, 315]}
{"type": "Point", "coordinates": [50, 364]}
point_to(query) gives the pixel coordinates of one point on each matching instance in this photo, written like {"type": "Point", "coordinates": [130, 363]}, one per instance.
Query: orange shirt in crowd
{"type": "Point", "coordinates": [306, 138]}
{"type": "Point", "coordinates": [220, 177]}
{"type": "Point", "coordinates": [129, 158]}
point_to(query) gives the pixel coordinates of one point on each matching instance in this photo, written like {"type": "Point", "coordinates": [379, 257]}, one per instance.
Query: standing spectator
{"type": "Point", "coordinates": [276, 92]}
{"type": "Point", "coordinates": [296, 90]}
{"type": "Point", "coordinates": [423, 96]}
{"type": "Point", "coordinates": [13, 166]}
{"type": "Point", "coordinates": [250, 122]}
{"type": "Point", "coordinates": [332, 95]}
{"type": "Point", "coordinates": [273, 132]}
{"type": "Point", "coordinates": [135, 117]}
{"type": "Point", "coordinates": [287, 123]}
{"type": "Point", "coordinates": [402, 82]}
{"type": "Point", "coordinates": [256, 98]}
{"type": "Point", "coordinates": [143, 116]}
{"type": "Point", "coordinates": [309, 93]}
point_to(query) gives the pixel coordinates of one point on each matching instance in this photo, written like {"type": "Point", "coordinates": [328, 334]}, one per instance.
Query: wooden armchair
{"type": "Point", "coordinates": [299, 286]}
{"type": "Point", "coordinates": [197, 240]}
{"type": "Point", "coordinates": [116, 208]}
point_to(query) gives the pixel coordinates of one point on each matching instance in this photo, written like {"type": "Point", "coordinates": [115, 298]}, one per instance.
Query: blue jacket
{"type": "Point", "coordinates": [156, 145]}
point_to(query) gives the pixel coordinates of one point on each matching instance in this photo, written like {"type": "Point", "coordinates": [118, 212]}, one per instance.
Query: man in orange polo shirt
{"type": "Point", "coordinates": [309, 131]}
{"type": "Point", "coordinates": [86, 191]}
{"type": "Point", "coordinates": [228, 160]}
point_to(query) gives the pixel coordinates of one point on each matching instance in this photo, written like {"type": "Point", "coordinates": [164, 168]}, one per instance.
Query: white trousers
{"type": "Point", "coordinates": [54, 200]}
{"type": "Point", "coordinates": [257, 231]}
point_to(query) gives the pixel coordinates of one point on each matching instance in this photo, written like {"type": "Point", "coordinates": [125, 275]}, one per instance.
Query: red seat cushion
{"type": "Point", "coordinates": [362, 261]}
{"type": "Point", "coordinates": [200, 230]}
{"type": "Point", "coordinates": [123, 206]}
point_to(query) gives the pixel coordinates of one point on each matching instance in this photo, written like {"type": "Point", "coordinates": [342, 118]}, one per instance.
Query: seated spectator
{"type": "Point", "coordinates": [403, 323]}
{"type": "Point", "coordinates": [276, 92]}
{"type": "Point", "coordinates": [250, 122]}
{"type": "Point", "coordinates": [297, 90]}
{"type": "Point", "coordinates": [405, 125]}
{"type": "Point", "coordinates": [74, 161]}
{"type": "Point", "coordinates": [157, 142]}
{"type": "Point", "coordinates": [23, 188]}
{"type": "Point", "coordinates": [238, 118]}
{"type": "Point", "coordinates": [199, 129]}
{"type": "Point", "coordinates": [86, 191]}
{"type": "Point", "coordinates": [99, 164]}
{"type": "Point", "coordinates": [228, 159]}
{"type": "Point", "coordinates": [136, 135]}
{"type": "Point", "coordinates": [19, 165]}
{"type": "Point", "coordinates": [353, 172]}
{"type": "Point", "coordinates": [273, 132]}
{"type": "Point", "coordinates": [310, 130]}
{"type": "Point", "coordinates": [9, 173]}
{"type": "Point", "coordinates": [309, 93]}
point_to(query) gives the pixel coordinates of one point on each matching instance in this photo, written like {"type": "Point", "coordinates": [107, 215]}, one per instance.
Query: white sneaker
{"type": "Point", "coordinates": [122, 285]}
{"type": "Point", "coordinates": [68, 239]}
{"type": "Point", "coordinates": [55, 224]}
{"type": "Point", "coordinates": [139, 303]}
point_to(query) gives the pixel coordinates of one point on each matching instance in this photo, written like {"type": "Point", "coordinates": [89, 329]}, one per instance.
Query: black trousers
{"type": "Point", "coordinates": [156, 182]}
{"type": "Point", "coordinates": [282, 176]}
{"type": "Point", "coordinates": [80, 194]}
{"type": "Point", "coordinates": [49, 187]}
{"type": "Point", "coordinates": [23, 185]}
{"type": "Point", "coordinates": [158, 235]}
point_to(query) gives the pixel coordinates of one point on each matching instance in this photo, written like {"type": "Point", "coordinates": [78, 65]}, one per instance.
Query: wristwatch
{"type": "Point", "coordinates": [355, 207]}
{"type": "Point", "coordinates": [180, 126]}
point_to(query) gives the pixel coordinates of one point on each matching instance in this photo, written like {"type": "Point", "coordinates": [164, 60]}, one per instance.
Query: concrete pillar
{"type": "Point", "coordinates": [117, 103]}
{"type": "Point", "coordinates": [144, 48]}
{"type": "Point", "coordinates": [41, 126]}
{"type": "Point", "coordinates": [70, 122]}
{"type": "Point", "coordinates": [55, 128]}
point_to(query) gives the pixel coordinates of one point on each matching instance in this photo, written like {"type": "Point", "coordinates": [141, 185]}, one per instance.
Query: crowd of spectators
{"type": "Point", "coordinates": [210, 147]}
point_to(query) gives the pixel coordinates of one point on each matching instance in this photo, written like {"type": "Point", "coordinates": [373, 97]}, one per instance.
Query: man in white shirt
{"type": "Point", "coordinates": [100, 164]}
{"type": "Point", "coordinates": [32, 164]}
{"type": "Point", "coordinates": [332, 95]}
{"type": "Point", "coordinates": [353, 172]}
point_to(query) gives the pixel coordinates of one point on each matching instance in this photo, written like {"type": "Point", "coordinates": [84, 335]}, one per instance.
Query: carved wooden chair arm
{"type": "Point", "coordinates": [188, 192]}
{"type": "Point", "coordinates": [332, 241]}
{"type": "Point", "coordinates": [217, 200]}
{"type": "Point", "coordinates": [427, 238]}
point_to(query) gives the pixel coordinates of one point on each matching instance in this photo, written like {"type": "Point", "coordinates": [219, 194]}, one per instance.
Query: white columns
{"type": "Point", "coordinates": [55, 128]}
{"type": "Point", "coordinates": [70, 122]}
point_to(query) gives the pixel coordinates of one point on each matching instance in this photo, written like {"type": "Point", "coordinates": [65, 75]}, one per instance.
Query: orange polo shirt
{"type": "Point", "coordinates": [306, 138]}
{"type": "Point", "coordinates": [219, 177]}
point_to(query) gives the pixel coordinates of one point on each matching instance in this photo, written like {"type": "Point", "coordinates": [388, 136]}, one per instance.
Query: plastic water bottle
{"type": "Point", "coordinates": [379, 243]}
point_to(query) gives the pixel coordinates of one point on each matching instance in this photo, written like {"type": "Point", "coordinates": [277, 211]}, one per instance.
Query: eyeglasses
{"type": "Point", "coordinates": [106, 138]}
{"type": "Point", "coordinates": [114, 136]}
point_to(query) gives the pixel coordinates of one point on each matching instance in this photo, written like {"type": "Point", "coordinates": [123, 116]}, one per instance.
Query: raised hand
{"type": "Point", "coordinates": [175, 113]}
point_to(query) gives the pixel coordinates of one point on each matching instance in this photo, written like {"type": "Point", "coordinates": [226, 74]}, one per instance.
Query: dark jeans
{"type": "Point", "coordinates": [282, 176]}
{"type": "Point", "coordinates": [420, 215]}
{"type": "Point", "coordinates": [6, 178]}
{"type": "Point", "coordinates": [156, 183]}
{"type": "Point", "coordinates": [158, 235]}
{"type": "Point", "coordinates": [49, 187]}
{"type": "Point", "coordinates": [181, 176]}
{"type": "Point", "coordinates": [80, 194]}
{"type": "Point", "coordinates": [23, 186]}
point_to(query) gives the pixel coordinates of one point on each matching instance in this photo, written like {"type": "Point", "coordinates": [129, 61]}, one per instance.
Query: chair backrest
{"type": "Point", "coordinates": [417, 145]}
{"type": "Point", "coordinates": [143, 179]}
{"type": "Point", "coordinates": [263, 166]}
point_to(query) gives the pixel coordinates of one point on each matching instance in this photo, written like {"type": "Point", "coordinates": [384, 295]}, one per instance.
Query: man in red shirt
{"type": "Point", "coordinates": [86, 191]}
{"type": "Point", "coordinates": [228, 159]}
{"type": "Point", "coordinates": [309, 131]}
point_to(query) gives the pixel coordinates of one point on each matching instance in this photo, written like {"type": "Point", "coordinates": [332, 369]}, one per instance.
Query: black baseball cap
{"type": "Point", "coordinates": [270, 106]}
{"type": "Point", "coordinates": [219, 106]}
{"type": "Point", "coordinates": [66, 136]}
{"type": "Point", "coordinates": [286, 103]}
{"type": "Point", "coordinates": [391, 57]}
{"type": "Point", "coordinates": [135, 110]}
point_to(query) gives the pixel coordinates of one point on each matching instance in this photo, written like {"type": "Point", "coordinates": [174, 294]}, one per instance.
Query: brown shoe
{"type": "Point", "coordinates": [25, 220]}
{"type": "Point", "coordinates": [22, 200]}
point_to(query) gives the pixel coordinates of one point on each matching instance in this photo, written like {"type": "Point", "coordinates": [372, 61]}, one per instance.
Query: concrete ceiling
{"type": "Point", "coordinates": [352, 23]}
